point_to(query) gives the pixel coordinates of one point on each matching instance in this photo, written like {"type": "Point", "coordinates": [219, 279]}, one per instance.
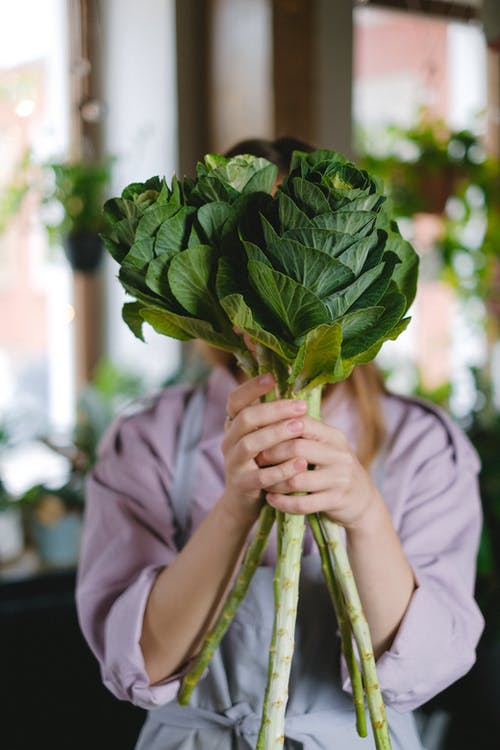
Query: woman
{"type": "Point", "coordinates": [173, 500]}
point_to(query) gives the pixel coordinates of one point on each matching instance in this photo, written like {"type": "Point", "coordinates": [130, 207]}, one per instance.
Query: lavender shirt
{"type": "Point", "coordinates": [429, 485]}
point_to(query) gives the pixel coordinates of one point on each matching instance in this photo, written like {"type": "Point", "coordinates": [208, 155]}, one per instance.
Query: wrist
{"type": "Point", "coordinates": [237, 517]}
{"type": "Point", "coordinates": [371, 520]}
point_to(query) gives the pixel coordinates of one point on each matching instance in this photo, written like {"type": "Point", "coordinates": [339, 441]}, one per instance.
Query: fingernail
{"type": "Point", "coordinates": [300, 407]}
{"type": "Point", "coordinates": [266, 379]}
{"type": "Point", "coordinates": [299, 464]}
{"type": "Point", "coordinates": [295, 425]}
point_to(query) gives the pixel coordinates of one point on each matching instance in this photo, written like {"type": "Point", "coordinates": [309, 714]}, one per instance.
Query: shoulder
{"type": "Point", "coordinates": [150, 423]}
{"type": "Point", "coordinates": [422, 430]}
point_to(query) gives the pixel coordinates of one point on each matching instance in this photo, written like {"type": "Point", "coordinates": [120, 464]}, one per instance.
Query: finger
{"type": "Point", "coordinates": [264, 478]}
{"type": "Point", "coordinates": [315, 502]}
{"type": "Point", "coordinates": [313, 481]}
{"type": "Point", "coordinates": [316, 429]}
{"type": "Point", "coordinates": [249, 392]}
{"type": "Point", "coordinates": [251, 443]}
{"type": "Point", "coordinates": [315, 452]}
{"type": "Point", "coordinates": [263, 414]}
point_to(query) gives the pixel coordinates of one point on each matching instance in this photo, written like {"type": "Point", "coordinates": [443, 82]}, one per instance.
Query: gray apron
{"type": "Point", "coordinates": [225, 708]}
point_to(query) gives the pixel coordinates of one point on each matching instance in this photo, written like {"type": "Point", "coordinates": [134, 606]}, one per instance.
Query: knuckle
{"type": "Point", "coordinates": [301, 505]}
{"type": "Point", "coordinates": [247, 445]}
{"type": "Point", "coordinates": [261, 479]}
{"type": "Point", "coordinates": [245, 419]}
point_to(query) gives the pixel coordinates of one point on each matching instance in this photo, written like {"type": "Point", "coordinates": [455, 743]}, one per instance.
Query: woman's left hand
{"type": "Point", "coordinates": [338, 485]}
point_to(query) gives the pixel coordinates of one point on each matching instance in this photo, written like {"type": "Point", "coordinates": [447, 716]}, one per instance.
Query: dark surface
{"type": "Point", "coordinates": [51, 694]}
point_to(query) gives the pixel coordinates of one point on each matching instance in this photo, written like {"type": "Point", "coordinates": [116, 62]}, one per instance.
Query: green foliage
{"type": "Point", "coordinates": [79, 189]}
{"type": "Point", "coordinates": [317, 274]}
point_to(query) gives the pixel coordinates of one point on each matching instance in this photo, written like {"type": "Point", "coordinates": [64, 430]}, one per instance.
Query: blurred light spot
{"type": "Point", "coordinates": [25, 108]}
{"type": "Point", "coordinates": [70, 313]}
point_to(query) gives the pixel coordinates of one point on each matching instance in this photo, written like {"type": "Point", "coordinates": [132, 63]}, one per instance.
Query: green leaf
{"type": "Point", "coordinates": [184, 328]}
{"type": "Point", "coordinates": [309, 197]}
{"type": "Point", "coordinates": [239, 170]}
{"type": "Point", "coordinates": [115, 249]}
{"type": "Point", "coordinates": [211, 189]}
{"type": "Point", "coordinates": [262, 181]}
{"type": "Point", "coordinates": [356, 323]}
{"type": "Point", "coordinates": [211, 218]}
{"type": "Point", "coordinates": [189, 276]}
{"type": "Point", "coordinates": [364, 203]}
{"type": "Point", "coordinates": [328, 241]}
{"type": "Point", "coordinates": [356, 223]}
{"type": "Point", "coordinates": [356, 255]}
{"type": "Point", "coordinates": [118, 209]}
{"type": "Point", "coordinates": [173, 233]}
{"type": "Point", "coordinates": [374, 293]}
{"type": "Point", "coordinates": [123, 232]}
{"type": "Point", "coordinates": [339, 303]}
{"type": "Point", "coordinates": [165, 322]}
{"type": "Point", "coordinates": [241, 316]}
{"type": "Point", "coordinates": [153, 217]}
{"type": "Point", "coordinates": [371, 353]}
{"type": "Point", "coordinates": [317, 358]}
{"type": "Point", "coordinates": [255, 253]}
{"type": "Point", "coordinates": [394, 305]}
{"type": "Point", "coordinates": [132, 317]}
{"type": "Point", "coordinates": [312, 268]}
{"type": "Point", "coordinates": [294, 305]}
{"type": "Point", "coordinates": [290, 215]}
{"type": "Point", "coordinates": [157, 276]}
{"type": "Point", "coordinates": [135, 286]}
{"type": "Point", "coordinates": [139, 256]}
{"type": "Point", "coordinates": [312, 159]}
{"type": "Point", "coordinates": [406, 273]}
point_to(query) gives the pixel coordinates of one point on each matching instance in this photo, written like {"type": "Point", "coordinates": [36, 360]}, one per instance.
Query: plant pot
{"type": "Point", "coordinates": [58, 542]}
{"type": "Point", "coordinates": [83, 249]}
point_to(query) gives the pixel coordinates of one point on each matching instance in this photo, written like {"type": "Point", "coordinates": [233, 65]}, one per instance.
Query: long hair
{"type": "Point", "coordinates": [365, 385]}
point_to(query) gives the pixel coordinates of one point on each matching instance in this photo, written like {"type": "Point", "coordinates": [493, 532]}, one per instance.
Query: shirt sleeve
{"type": "Point", "coordinates": [439, 527]}
{"type": "Point", "coordinates": [128, 539]}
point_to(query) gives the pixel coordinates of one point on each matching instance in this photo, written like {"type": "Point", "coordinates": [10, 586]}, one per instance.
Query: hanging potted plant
{"type": "Point", "coordinates": [76, 191]}
{"type": "Point", "coordinates": [425, 164]}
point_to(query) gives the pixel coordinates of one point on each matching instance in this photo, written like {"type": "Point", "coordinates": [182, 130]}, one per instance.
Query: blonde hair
{"type": "Point", "coordinates": [365, 387]}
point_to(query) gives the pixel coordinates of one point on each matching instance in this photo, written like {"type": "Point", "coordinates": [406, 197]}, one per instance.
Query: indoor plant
{"type": "Point", "coordinates": [74, 191]}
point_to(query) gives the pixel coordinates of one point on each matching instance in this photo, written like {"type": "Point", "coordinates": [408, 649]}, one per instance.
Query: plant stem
{"type": "Point", "coordinates": [252, 558]}
{"type": "Point", "coordinates": [344, 626]}
{"type": "Point", "coordinates": [286, 587]}
{"type": "Point", "coordinates": [287, 572]}
{"type": "Point", "coordinates": [345, 580]}
{"type": "Point", "coordinates": [272, 648]}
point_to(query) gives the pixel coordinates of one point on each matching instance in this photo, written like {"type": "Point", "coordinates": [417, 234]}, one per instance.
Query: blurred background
{"type": "Point", "coordinates": [95, 94]}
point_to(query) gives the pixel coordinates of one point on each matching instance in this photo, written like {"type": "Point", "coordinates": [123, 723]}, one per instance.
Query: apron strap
{"type": "Point", "coordinates": [185, 460]}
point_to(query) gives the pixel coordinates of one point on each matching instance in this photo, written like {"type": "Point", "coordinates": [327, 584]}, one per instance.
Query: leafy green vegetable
{"type": "Point", "coordinates": [318, 276]}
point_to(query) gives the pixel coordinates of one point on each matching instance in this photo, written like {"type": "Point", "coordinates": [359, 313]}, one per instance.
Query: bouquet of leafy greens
{"type": "Point", "coordinates": [319, 277]}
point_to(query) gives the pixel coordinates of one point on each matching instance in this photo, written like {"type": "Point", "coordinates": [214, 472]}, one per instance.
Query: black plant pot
{"type": "Point", "coordinates": [83, 250]}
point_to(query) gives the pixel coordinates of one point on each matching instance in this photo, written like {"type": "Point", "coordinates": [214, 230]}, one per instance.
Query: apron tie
{"type": "Point", "coordinates": [241, 719]}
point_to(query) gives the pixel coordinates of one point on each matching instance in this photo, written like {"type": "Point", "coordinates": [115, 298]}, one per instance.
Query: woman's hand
{"type": "Point", "coordinates": [251, 428]}
{"type": "Point", "coordinates": [338, 485]}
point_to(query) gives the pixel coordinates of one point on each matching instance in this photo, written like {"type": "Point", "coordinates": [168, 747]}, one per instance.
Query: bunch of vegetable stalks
{"type": "Point", "coordinates": [318, 276]}
{"type": "Point", "coordinates": [345, 599]}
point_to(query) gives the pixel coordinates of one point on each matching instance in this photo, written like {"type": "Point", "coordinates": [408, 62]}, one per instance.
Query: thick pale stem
{"type": "Point", "coordinates": [345, 580]}
{"type": "Point", "coordinates": [288, 570]}
{"type": "Point", "coordinates": [343, 622]}
{"type": "Point", "coordinates": [251, 561]}
{"type": "Point", "coordinates": [272, 731]}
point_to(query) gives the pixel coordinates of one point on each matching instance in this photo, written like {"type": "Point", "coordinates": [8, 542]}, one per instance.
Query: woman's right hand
{"type": "Point", "coordinates": [251, 427]}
